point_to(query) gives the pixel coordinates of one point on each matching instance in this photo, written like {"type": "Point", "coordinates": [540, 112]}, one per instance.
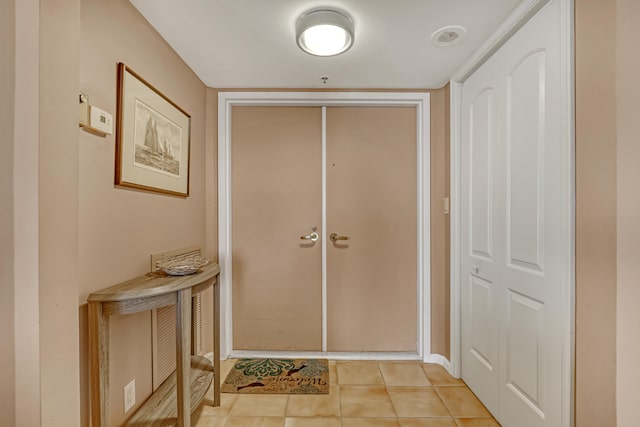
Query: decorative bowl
{"type": "Point", "coordinates": [184, 266]}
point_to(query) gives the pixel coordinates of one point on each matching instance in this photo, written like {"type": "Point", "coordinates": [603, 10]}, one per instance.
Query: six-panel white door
{"type": "Point", "coordinates": [512, 227]}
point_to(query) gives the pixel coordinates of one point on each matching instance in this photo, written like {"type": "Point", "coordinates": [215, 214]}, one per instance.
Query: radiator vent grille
{"type": "Point", "coordinates": [197, 342]}
{"type": "Point", "coordinates": [163, 324]}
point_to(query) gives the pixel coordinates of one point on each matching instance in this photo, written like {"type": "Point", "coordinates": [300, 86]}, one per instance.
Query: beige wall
{"type": "Point", "coordinates": [19, 305]}
{"type": "Point", "coordinates": [608, 208]}
{"type": "Point", "coordinates": [211, 174]}
{"type": "Point", "coordinates": [26, 231]}
{"type": "Point", "coordinates": [595, 213]}
{"type": "Point", "coordinates": [58, 212]}
{"type": "Point", "coordinates": [440, 238]}
{"type": "Point", "coordinates": [118, 228]}
{"type": "Point", "coordinates": [447, 222]}
{"type": "Point", "coordinates": [211, 201]}
{"type": "Point", "coordinates": [7, 336]}
{"type": "Point", "coordinates": [628, 287]}
{"type": "Point", "coordinates": [90, 234]}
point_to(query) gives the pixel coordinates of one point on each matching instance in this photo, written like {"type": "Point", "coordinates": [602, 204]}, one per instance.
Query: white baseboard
{"type": "Point", "coordinates": [248, 354]}
{"type": "Point", "coordinates": [440, 360]}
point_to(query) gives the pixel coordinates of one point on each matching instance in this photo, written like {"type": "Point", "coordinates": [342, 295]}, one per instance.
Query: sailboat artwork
{"type": "Point", "coordinates": [152, 138]}
{"type": "Point", "coordinates": [157, 141]}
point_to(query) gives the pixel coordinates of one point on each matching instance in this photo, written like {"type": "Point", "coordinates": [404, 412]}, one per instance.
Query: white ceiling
{"type": "Point", "coordinates": [251, 43]}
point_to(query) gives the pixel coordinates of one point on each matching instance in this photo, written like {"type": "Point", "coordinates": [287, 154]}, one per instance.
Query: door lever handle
{"type": "Point", "coordinates": [334, 237]}
{"type": "Point", "coordinates": [313, 236]}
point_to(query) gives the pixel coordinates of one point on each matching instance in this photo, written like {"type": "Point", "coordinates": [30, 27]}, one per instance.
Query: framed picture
{"type": "Point", "coordinates": [152, 138]}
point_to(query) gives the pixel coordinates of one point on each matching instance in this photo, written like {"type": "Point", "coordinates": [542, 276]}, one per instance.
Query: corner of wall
{"type": "Point", "coordinates": [440, 236]}
{"type": "Point", "coordinates": [7, 332]}
{"type": "Point", "coordinates": [595, 62]}
{"type": "Point", "coordinates": [211, 172]}
{"type": "Point", "coordinates": [628, 211]}
{"type": "Point", "coordinates": [58, 212]}
{"type": "Point", "coordinates": [26, 220]}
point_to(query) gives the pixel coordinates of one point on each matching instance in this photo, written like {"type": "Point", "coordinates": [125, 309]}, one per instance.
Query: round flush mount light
{"type": "Point", "coordinates": [448, 36]}
{"type": "Point", "coordinates": [324, 32]}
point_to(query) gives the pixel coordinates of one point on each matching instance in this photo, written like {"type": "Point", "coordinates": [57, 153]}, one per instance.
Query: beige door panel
{"type": "Point", "coordinates": [277, 197]}
{"type": "Point", "coordinates": [371, 199]}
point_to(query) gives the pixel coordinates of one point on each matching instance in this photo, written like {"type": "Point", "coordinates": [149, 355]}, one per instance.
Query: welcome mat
{"type": "Point", "coordinates": [278, 376]}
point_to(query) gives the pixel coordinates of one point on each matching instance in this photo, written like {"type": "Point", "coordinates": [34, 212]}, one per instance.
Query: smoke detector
{"type": "Point", "coordinates": [448, 36]}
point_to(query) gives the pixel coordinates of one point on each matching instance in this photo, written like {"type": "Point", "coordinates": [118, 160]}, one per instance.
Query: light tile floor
{"type": "Point", "coordinates": [362, 394]}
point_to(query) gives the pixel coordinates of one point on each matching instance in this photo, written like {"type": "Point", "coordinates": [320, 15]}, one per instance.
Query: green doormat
{"type": "Point", "coordinates": [278, 376]}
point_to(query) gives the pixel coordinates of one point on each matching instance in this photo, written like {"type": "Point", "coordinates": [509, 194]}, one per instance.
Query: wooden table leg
{"type": "Point", "coordinates": [183, 357]}
{"type": "Point", "coordinates": [99, 364]}
{"type": "Point", "coordinates": [194, 323]}
{"type": "Point", "coordinates": [216, 343]}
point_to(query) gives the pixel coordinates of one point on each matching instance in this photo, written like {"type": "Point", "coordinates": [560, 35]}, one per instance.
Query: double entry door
{"type": "Point", "coordinates": [324, 217]}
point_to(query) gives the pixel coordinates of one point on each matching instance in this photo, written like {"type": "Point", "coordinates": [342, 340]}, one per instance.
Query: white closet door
{"type": "Point", "coordinates": [512, 227]}
{"type": "Point", "coordinates": [478, 264]}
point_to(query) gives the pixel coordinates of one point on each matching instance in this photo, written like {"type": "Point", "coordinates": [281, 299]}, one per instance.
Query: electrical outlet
{"type": "Point", "coordinates": [129, 395]}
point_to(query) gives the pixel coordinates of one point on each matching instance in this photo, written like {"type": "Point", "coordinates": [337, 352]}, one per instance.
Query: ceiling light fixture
{"type": "Point", "coordinates": [324, 32]}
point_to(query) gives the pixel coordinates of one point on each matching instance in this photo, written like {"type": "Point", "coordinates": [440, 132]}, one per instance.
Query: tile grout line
{"type": "Point", "coordinates": [338, 393]}
{"type": "Point", "coordinates": [444, 403]}
{"type": "Point", "coordinates": [386, 389]}
{"type": "Point", "coordinates": [286, 409]}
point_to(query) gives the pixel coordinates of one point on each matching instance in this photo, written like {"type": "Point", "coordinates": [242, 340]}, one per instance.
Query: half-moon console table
{"type": "Point", "coordinates": [193, 373]}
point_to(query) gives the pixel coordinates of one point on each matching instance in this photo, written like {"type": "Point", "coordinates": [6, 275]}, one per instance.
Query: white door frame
{"type": "Point", "coordinates": [420, 100]}
{"type": "Point", "coordinates": [518, 18]}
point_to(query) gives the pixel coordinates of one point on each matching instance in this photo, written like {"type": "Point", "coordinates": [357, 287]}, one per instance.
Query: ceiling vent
{"type": "Point", "coordinates": [448, 36]}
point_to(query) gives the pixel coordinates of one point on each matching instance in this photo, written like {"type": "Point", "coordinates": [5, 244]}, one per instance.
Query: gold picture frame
{"type": "Point", "coordinates": [153, 138]}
